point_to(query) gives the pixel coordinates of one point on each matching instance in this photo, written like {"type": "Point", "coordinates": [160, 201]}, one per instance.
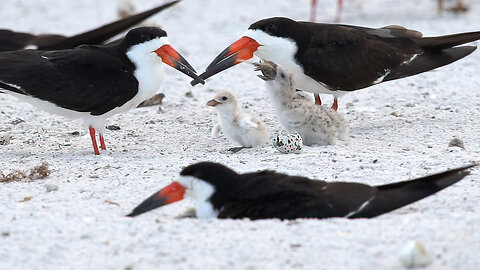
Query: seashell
{"type": "Point", "coordinates": [413, 254]}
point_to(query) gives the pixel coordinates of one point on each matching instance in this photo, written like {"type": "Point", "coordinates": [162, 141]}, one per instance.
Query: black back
{"type": "Point", "coordinates": [267, 194]}
{"type": "Point", "coordinates": [347, 58]}
{"type": "Point", "coordinates": [89, 78]}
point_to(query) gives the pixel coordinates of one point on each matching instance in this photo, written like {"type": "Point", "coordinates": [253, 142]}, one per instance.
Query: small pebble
{"type": "Point", "coordinates": [112, 127]}
{"type": "Point", "coordinates": [5, 139]}
{"type": "Point", "coordinates": [456, 142]}
{"type": "Point", "coordinates": [51, 187]}
{"type": "Point", "coordinates": [413, 254]}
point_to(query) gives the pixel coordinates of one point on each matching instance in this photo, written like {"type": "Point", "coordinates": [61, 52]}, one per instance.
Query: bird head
{"type": "Point", "coordinates": [204, 182]}
{"type": "Point", "coordinates": [224, 101]}
{"type": "Point", "coordinates": [269, 39]}
{"type": "Point", "coordinates": [150, 43]}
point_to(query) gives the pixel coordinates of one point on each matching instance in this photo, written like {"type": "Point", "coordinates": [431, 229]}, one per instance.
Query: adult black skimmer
{"type": "Point", "coordinates": [10, 40]}
{"type": "Point", "coordinates": [335, 59]}
{"type": "Point", "coordinates": [92, 82]}
{"type": "Point", "coordinates": [222, 193]}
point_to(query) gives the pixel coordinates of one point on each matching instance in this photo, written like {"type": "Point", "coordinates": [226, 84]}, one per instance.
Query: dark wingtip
{"type": "Point", "coordinates": [107, 31]}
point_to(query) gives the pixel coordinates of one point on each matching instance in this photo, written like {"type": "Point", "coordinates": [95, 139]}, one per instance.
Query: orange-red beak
{"type": "Point", "coordinates": [172, 58]}
{"type": "Point", "coordinates": [167, 195]}
{"type": "Point", "coordinates": [241, 50]}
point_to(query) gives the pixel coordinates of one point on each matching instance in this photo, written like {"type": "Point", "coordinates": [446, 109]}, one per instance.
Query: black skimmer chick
{"type": "Point", "coordinates": [335, 59]}
{"type": "Point", "coordinates": [92, 82]}
{"type": "Point", "coordinates": [239, 127]}
{"type": "Point", "coordinates": [220, 192]}
{"type": "Point", "coordinates": [11, 41]}
{"type": "Point", "coordinates": [295, 110]}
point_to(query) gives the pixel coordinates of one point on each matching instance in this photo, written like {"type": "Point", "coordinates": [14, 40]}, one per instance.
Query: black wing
{"type": "Point", "coordinates": [86, 79]}
{"type": "Point", "coordinates": [349, 58]}
{"type": "Point", "coordinates": [396, 195]}
{"type": "Point", "coordinates": [10, 41]}
{"type": "Point", "coordinates": [273, 195]}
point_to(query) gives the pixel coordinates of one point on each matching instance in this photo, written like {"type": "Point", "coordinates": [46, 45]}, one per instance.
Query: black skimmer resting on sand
{"type": "Point", "coordinates": [335, 59]}
{"type": "Point", "coordinates": [220, 192]}
{"type": "Point", "coordinates": [11, 41]}
{"type": "Point", "coordinates": [92, 82]}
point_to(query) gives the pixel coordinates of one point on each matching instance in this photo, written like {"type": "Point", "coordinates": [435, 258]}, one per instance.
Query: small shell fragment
{"type": "Point", "coordinates": [413, 254]}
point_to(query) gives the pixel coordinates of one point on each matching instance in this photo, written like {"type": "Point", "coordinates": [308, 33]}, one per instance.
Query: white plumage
{"type": "Point", "coordinates": [296, 111]}
{"type": "Point", "coordinates": [239, 127]}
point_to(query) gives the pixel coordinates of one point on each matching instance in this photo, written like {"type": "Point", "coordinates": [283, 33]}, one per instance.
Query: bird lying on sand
{"type": "Point", "coordinates": [220, 192]}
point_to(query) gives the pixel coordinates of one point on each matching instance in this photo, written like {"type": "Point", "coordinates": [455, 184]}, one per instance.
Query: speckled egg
{"type": "Point", "coordinates": [288, 143]}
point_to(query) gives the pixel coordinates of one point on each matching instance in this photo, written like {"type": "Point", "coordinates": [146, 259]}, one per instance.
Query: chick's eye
{"type": "Point", "coordinates": [224, 98]}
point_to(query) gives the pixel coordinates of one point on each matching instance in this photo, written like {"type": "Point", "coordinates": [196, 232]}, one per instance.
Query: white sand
{"type": "Point", "coordinates": [82, 224]}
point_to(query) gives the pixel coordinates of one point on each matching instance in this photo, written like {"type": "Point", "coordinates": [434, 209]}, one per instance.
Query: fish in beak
{"type": "Point", "coordinates": [167, 195]}
{"type": "Point", "coordinates": [240, 51]}
{"type": "Point", "coordinates": [172, 58]}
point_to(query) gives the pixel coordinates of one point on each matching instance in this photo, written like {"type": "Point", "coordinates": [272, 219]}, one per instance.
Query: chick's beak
{"type": "Point", "coordinates": [169, 194]}
{"type": "Point", "coordinates": [172, 58]}
{"type": "Point", "coordinates": [240, 51]}
{"type": "Point", "coordinates": [213, 103]}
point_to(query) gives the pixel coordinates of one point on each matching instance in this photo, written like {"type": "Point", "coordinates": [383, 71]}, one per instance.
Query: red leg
{"type": "Point", "coordinates": [94, 141]}
{"type": "Point", "coordinates": [318, 101]}
{"type": "Point", "coordinates": [338, 16]}
{"type": "Point", "coordinates": [313, 10]}
{"type": "Point", "coordinates": [102, 142]}
{"type": "Point", "coordinates": [335, 104]}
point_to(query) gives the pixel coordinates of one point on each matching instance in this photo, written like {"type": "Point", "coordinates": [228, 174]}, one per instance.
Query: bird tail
{"type": "Point", "coordinates": [101, 34]}
{"type": "Point", "coordinates": [448, 41]}
{"type": "Point", "coordinates": [392, 196]}
{"type": "Point", "coordinates": [428, 61]}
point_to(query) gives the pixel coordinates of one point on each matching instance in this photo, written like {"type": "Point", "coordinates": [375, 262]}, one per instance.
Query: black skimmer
{"type": "Point", "coordinates": [10, 40]}
{"type": "Point", "coordinates": [239, 127]}
{"type": "Point", "coordinates": [335, 59]}
{"type": "Point", "coordinates": [220, 192]}
{"type": "Point", "coordinates": [295, 111]}
{"type": "Point", "coordinates": [92, 82]}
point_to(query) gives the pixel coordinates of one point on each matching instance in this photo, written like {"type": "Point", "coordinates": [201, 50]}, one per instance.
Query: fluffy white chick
{"type": "Point", "coordinates": [239, 127]}
{"type": "Point", "coordinates": [295, 110]}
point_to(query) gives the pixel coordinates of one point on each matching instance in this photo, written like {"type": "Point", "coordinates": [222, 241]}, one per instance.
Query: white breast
{"type": "Point", "coordinates": [282, 52]}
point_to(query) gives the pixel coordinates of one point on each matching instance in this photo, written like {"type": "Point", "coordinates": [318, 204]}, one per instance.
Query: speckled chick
{"type": "Point", "coordinates": [237, 126]}
{"type": "Point", "coordinates": [296, 111]}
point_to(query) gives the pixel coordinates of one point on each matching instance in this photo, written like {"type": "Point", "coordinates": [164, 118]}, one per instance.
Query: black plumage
{"type": "Point", "coordinates": [334, 58]}
{"type": "Point", "coordinates": [268, 194]}
{"type": "Point", "coordinates": [11, 40]}
{"type": "Point", "coordinates": [347, 58]}
{"type": "Point", "coordinates": [88, 78]}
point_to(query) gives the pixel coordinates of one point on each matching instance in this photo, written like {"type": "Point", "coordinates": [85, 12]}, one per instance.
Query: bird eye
{"type": "Point", "coordinates": [224, 98]}
{"type": "Point", "coordinates": [282, 75]}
